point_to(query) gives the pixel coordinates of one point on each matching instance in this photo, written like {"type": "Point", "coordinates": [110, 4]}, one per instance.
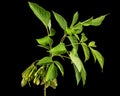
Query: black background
{"type": "Point", "coordinates": [26, 28]}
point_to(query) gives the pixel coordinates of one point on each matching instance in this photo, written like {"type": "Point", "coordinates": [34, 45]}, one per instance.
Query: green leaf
{"type": "Point", "coordinates": [76, 60]}
{"type": "Point", "coordinates": [98, 56]}
{"type": "Point", "coordinates": [87, 22]}
{"type": "Point", "coordinates": [59, 49]}
{"type": "Point", "coordinates": [52, 32]}
{"type": "Point", "coordinates": [73, 41]}
{"type": "Point", "coordinates": [41, 13]}
{"type": "Point", "coordinates": [69, 31]}
{"type": "Point", "coordinates": [83, 75]}
{"type": "Point", "coordinates": [45, 60]}
{"type": "Point", "coordinates": [92, 44]}
{"type": "Point", "coordinates": [77, 74]}
{"type": "Point", "coordinates": [83, 38]}
{"type": "Point", "coordinates": [97, 21]}
{"type": "Point", "coordinates": [45, 41]}
{"type": "Point", "coordinates": [78, 28]}
{"type": "Point", "coordinates": [51, 73]}
{"type": "Point", "coordinates": [59, 65]}
{"type": "Point", "coordinates": [61, 20]}
{"type": "Point", "coordinates": [75, 18]}
{"type": "Point", "coordinates": [86, 51]}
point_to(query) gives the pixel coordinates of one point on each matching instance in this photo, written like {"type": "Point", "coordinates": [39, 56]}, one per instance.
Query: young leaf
{"type": "Point", "coordinates": [77, 74]}
{"type": "Point", "coordinates": [76, 60]}
{"type": "Point", "coordinates": [41, 13]}
{"type": "Point", "coordinates": [75, 18]}
{"type": "Point", "coordinates": [53, 83]}
{"type": "Point", "coordinates": [83, 38]}
{"type": "Point", "coordinates": [45, 40]}
{"type": "Point", "coordinates": [92, 44]}
{"type": "Point", "coordinates": [59, 49]}
{"type": "Point", "coordinates": [97, 21]}
{"type": "Point", "coordinates": [86, 51]}
{"type": "Point", "coordinates": [59, 65]}
{"type": "Point", "coordinates": [61, 20]}
{"type": "Point", "coordinates": [73, 41]}
{"type": "Point", "coordinates": [51, 73]}
{"type": "Point", "coordinates": [45, 60]}
{"type": "Point", "coordinates": [98, 56]}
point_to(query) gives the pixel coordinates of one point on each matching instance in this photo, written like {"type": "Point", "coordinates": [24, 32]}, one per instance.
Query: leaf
{"type": "Point", "coordinates": [36, 80]}
{"type": "Point", "coordinates": [61, 20]}
{"type": "Point", "coordinates": [59, 65]}
{"type": "Point", "coordinates": [73, 41]}
{"type": "Point", "coordinates": [75, 18]}
{"type": "Point", "coordinates": [76, 60]}
{"type": "Point", "coordinates": [69, 31]}
{"type": "Point", "coordinates": [59, 49]}
{"type": "Point", "coordinates": [41, 13]}
{"type": "Point", "coordinates": [87, 22]}
{"type": "Point", "coordinates": [97, 21]}
{"type": "Point", "coordinates": [86, 51]}
{"type": "Point", "coordinates": [83, 75]}
{"type": "Point", "coordinates": [51, 73]}
{"type": "Point", "coordinates": [83, 38]}
{"type": "Point", "coordinates": [52, 32]}
{"type": "Point", "coordinates": [53, 83]}
{"type": "Point", "coordinates": [45, 40]}
{"type": "Point", "coordinates": [92, 44]}
{"type": "Point", "coordinates": [23, 82]}
{"type": "Point", "coordinates": [78, 28]}
{"type": "Point", "coordinates": [45, 60]}
{"type": "Point", "coordinates": [77, 74]}
{"type": "Point", "coordinates": [98, 56]}
{"type": "Point", "coordinates": [26, 72]}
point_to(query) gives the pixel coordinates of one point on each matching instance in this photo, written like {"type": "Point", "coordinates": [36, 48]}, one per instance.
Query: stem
{"type": "Point", "coordinates": [44, 90]}
{"type": "Point", "coordinates": [63, 38]}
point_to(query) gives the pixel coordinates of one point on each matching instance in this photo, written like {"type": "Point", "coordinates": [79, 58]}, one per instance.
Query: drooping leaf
{"type": "Point", "coordinates": [37, 80]}
{"type": "Point", "coordinates": [98, 56]}
{"type": "Point", "coordinates": [23, 82]}
{"type": "Point", "coordinates": [59, 49]}
{"type": "Point", "coordinates": [76, 60]}
{"type": "Point", "coordinates": [83, 75]}
{"type": "Point", "coordinates": [75, 18]}
{"type": "Point", "coordinates": [77, 74]}
{"type": "Point", "coordinates": [45, 60]}
{"type": "Point", "coordinates": [73, 41]}
{"type": "Point", "coordinates": [59, 65]}
{"type": "Point", "coordinates": [41, 13]}
{"type": "Point", "coordinates": [86, 51]}
{"type": "Point", "coordinates": [45, 40]}
{"type": "Point", "coordinates": [26, 72]}
{"type": "Point", "coordinates": [51, 73]}
{"type": "Point", "coordinates": [97, 21]}
{"type": "Point", "coordinates": [53, 83]}
{"type": "Point", "coordinates": [83, 38]}
{"type": "Point", "coordinates": [92, 44]}
{"type": "Point", "coordinates": [61, 20]}
{"type": "Point", "coordinates": [87, 22]}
